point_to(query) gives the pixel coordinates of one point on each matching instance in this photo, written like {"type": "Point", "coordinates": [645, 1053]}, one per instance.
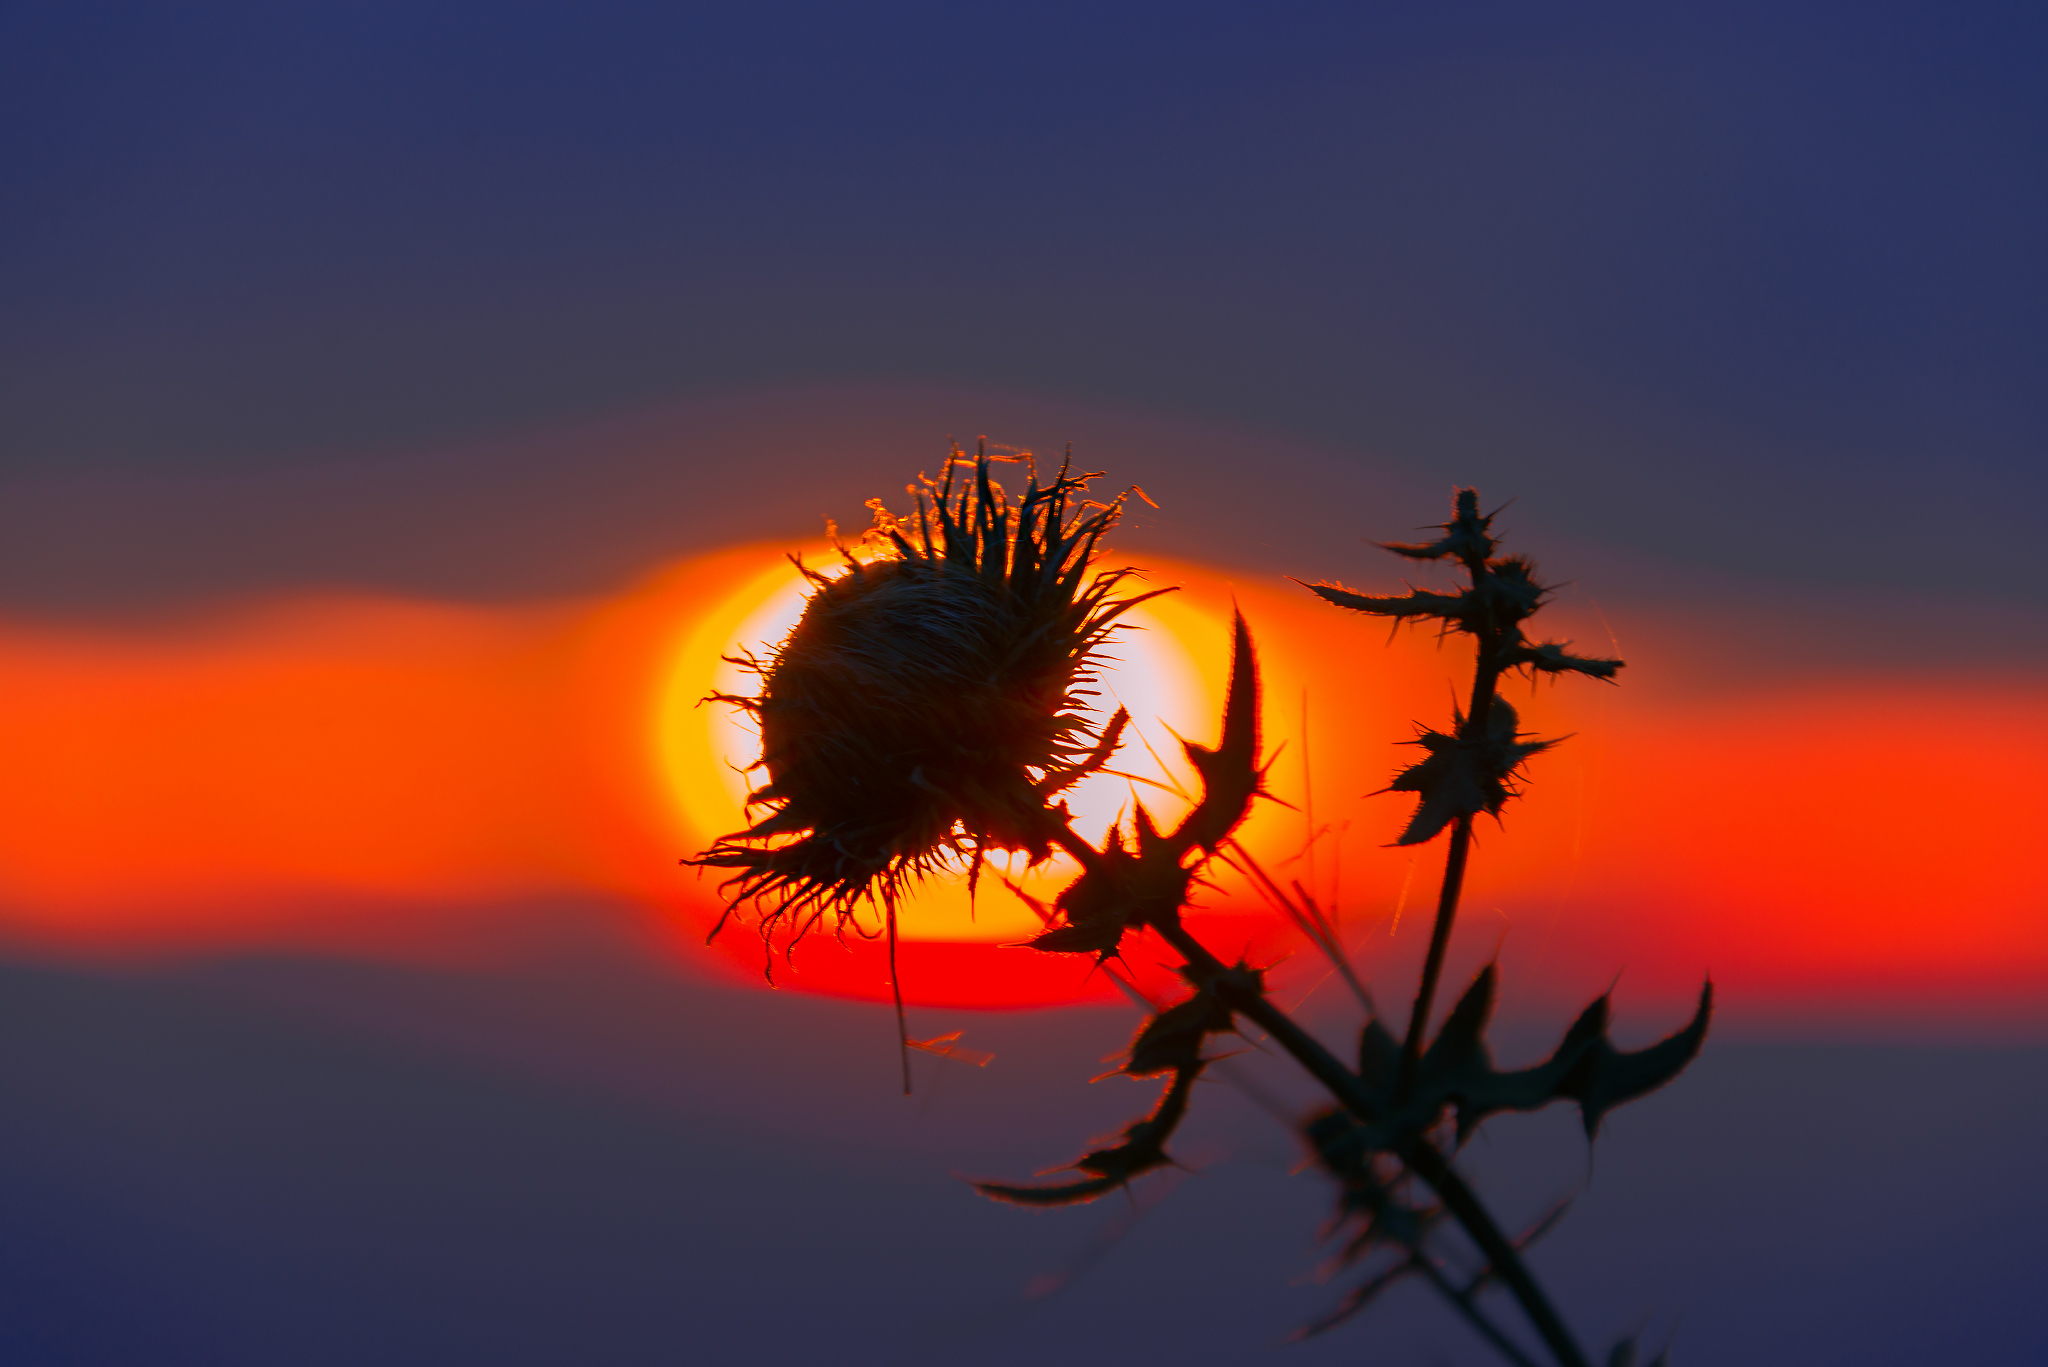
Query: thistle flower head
{"type": "Point", "coordinates": [930, 706]}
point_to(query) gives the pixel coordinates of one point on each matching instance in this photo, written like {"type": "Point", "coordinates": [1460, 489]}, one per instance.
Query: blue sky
{"type": "Point", "coordinates": [1743, 286]}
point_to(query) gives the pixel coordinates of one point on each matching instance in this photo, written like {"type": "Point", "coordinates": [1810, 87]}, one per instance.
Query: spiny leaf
{"type": "Point", "coordinates": [1101, 938]}
{"type": "Point", "coordinates": [1170, 1042]}
{"type": "Point", "coordinates": [1357, 1299]}
{"type": "Point", "coordinates": [1552, 657]}
{"type": "Point", "coordinates": [1464, 536]}
{"type": "Point", "coordinates": [1373, 1212]}
{"type": "Point", "coordinates": [1379, 1060]}
{"type": "Point", "coordinates": [1504, 592]}
{"type": "Point", "coordinates": [1466, 773]}
{"type": "Point", "coordinates": [1457, 1072]}
{"type": "Point", "coordinates": [1094, 908]}
{"type": "Point", "coordinates": [1118, 891]}
{"type": "Point", "coordinates": [1451, 607]}
{"type": "Point", "coordinates": [1604, 1077]}
{"type": "Point", "coordinates": [1460, 1044]}
{"type": "Point", "coordinates": [1142, 1149]}
{"type": "Point", "coordinates": [1066, 1194]}
{"type": "Point", "coordinates": [1369, 1180]}
{"type": "Point", "coordinates": [1230, 772]}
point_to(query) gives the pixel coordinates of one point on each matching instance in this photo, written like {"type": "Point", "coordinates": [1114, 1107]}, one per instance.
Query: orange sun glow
{"type": "Point", "coordinates": [367, 772]}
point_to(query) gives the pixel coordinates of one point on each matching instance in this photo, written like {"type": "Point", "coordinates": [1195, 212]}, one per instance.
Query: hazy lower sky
{"type": "Point", "coordinates": [1743, 286]}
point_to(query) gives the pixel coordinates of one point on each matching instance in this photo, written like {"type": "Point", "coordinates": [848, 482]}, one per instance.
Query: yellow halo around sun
{"type": "Point", "coordinates": [1155, 667]}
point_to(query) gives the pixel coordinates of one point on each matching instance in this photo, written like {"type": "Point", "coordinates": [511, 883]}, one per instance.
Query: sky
{"type": "Point", "coordinates": [1749, 287]}
{"type": "Point", "coordinates": [502, 311]}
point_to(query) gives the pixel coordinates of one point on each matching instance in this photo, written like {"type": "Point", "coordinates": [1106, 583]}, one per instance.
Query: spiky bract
{"type": "Point", "coordinates": [1470, 770]}
{"type": "Point", "coordinates": [1504, 593]}
{"type": "Point", "coordinates": [931, 704]}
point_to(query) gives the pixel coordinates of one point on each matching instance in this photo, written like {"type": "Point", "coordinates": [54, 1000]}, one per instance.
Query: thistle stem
{"type": "Point", "coordinates": [1478, 718]}
{"type": "Point", "coordinates": [1421, 1157]}
{"type": "Point", "coordinates": [896, 990]}
{"type": "Point", "coordinates": [1439, 945]}
{"type": "Point", "coordinates": [1501, 1255]}
{"type": "Point", "coordinates": [1465, 1303]}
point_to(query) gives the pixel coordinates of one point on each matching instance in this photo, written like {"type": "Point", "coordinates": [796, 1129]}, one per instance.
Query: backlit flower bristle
{"type": "Point", "coordinates": [932, 702]}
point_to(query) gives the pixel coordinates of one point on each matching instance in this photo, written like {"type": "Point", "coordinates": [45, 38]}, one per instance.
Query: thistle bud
{"type": "Point", "coordinates": [929, 706]}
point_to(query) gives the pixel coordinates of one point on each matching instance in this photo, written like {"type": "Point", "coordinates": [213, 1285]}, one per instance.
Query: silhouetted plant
{"type": "Point", "coordinates": [928, 708]}
{"type": "Point", "coordinates": [926, 711]}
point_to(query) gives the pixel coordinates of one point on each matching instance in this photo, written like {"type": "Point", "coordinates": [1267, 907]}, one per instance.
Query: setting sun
{"type": "Point", "coordinates": [378, 774]}
{"type": "Point", "coordinates": [1162, 666]}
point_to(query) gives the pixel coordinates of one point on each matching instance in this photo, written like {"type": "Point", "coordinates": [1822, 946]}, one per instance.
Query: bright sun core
{"type": "Point", "coordinates": [1151, 667]}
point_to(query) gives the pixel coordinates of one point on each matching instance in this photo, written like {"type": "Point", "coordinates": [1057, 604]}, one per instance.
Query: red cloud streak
{"type": "Point", "coordinates": [1833, 848]}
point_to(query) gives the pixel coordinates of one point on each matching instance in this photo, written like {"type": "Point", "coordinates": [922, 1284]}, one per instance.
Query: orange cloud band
{"type": "Point", "coordinates": [232, 782]}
